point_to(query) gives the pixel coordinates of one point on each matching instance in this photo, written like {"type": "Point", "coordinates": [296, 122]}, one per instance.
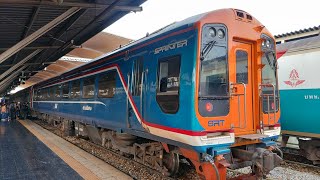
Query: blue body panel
{"type": "Point", "coordinates": [112, 112]}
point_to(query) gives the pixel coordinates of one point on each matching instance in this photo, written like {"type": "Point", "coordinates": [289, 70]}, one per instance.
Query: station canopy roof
{"type": "Point", "coordinates": [98, 45]}
{"type": "Point", "coordinates": [36, 33]}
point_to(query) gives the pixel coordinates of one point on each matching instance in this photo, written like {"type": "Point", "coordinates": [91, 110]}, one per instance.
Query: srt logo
{"type": "Point", "coordinates": [216, 123]}
{"type": "Point", "coordinates": [294, 79]}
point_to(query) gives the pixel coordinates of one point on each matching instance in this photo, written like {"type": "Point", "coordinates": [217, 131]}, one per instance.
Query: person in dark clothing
{"type": "Point", "coordinates": [12, 111]}
{"type": "Point", "coordinates": [23, 111]}
{"type": "Point", "coordinates": [17, 110]}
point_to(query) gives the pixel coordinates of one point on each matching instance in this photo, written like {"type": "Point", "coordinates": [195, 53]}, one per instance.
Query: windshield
{"type": "Point", "coordinates": [213, 73]}
{"type": "Point", "coordinates": [269, 77]}
{"type": "Point", "coordinates": [268, 69]}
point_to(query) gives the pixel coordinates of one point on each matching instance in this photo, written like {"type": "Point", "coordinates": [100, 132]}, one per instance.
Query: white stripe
{"type": "Point", "coordinates": [74, 102]}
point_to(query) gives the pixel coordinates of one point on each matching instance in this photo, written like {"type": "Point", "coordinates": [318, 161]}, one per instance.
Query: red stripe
{"type": "Point", "coordinates": [280, 53]}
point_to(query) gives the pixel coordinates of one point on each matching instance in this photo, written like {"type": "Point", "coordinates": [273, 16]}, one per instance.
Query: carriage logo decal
{"type": "Point", "coordinates": [294, 79]}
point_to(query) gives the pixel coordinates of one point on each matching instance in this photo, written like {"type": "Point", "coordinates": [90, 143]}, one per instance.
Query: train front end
{"type": "Point", "coordinates": [236, 89]}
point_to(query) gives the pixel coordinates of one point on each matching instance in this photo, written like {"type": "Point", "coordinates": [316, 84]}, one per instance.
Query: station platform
{"type": "Point", "coordinates": [27, 151]}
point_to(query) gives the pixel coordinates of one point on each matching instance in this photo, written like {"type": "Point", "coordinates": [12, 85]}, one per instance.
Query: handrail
{"type": "Point", "coordinates": [141, 91]}
{"type": "Point", "coordinates": [245, 102]}
{"type": "Point", "coordinates": [127, 116]}
{"type": "Point", "coordinates": [268, 100]}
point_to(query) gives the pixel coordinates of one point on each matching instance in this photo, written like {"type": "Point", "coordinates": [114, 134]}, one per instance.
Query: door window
{"type": "Point", "coordinates": [168, 84]}
{"type": "Point", "coordinates": [242, 66]}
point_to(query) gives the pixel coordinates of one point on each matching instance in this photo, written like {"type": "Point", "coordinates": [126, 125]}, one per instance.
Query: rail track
{"type": "Point", "coordinates": [136, 170]}
{"type": "Point", "coordinates": [292, 155]}
{"type": "Point", "coordinates": [125, 164]}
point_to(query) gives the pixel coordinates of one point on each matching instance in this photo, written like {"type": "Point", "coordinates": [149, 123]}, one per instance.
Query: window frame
{"type": "Point", "coordinates": [66, 84]}
{"type": "Point", "coordinates": [94, 86]}
{"type": "Point", "coordinates": [72, 87]}
{"type": "Point", "coordinates": [159, 94]}
{"type": "Point", "coordinates": [115, 83]}
{"type": "Point", "coordinates": [247, 64]}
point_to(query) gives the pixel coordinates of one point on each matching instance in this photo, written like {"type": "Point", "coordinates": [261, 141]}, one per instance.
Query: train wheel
{"type": "Point", "coordinates": [171, 161]}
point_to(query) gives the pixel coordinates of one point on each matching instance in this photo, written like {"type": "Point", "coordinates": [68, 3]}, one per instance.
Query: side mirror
{"type": "Point", "coordinates": [163, 84]}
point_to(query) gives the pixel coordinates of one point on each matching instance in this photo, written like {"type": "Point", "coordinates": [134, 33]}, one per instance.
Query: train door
{"type": "Point", "coordinates": [242, 89]}
{"type": "Point", "coordinates": [136, 89]}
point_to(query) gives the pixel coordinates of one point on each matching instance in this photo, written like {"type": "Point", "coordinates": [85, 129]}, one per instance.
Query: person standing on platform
{"type": "Point", "coordinates": [18, 110]}
{"type": "Point", "coordinates": [12, 111]}
{"type": "Point", "coordinates": [4, 115]}
{"type": "Point", "coordinates": [23, 111]}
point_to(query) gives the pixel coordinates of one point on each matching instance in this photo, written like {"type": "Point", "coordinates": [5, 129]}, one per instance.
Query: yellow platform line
{"type": "Point", "coordinates": [74, 164]}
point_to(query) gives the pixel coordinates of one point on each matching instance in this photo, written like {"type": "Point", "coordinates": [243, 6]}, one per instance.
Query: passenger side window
{"type": "Point", "coordinates": [88, 87]}
{"type": "Point", "coordinates": [50, 93]}
{"type": "Point", "coordinates": [58, 91]}
{"type": "Point", "coordinates": [169, 84]}
{"type": "Point", "coordinates": [65, 90]}
{"type": "Point", "coordinates": [75, 89]}
{"type": "Point", "coordinates": [45, 94]}
{"type": "Point", "coordinates": [107, 85]}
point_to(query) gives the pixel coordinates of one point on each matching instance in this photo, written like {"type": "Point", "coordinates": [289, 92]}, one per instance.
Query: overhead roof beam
{"type": "Point", "coordinates": [6, 82]}
{"type": "Point", "coordinates": [63, 30]}
{"type": "Point", "coordinates": [26, 32]}
{"type": "Point", "coordinates": [20, 63]}
{"type": "Point", "coordinates": [26, 41]}
{"type": "Point", "coordinates": [20, 3]}
{"type": "Point", "coordinates": [98, 18]}
{"type": "Point", "coordinates": [38, 47]}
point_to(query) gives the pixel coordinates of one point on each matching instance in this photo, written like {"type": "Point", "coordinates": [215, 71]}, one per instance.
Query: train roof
{"type": "Point", "coordinates": [299, 45]}
{"type": "Point", "coordinates": [176, 25]}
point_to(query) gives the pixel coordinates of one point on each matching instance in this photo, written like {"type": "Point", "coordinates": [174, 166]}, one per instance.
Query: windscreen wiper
{"type": "Point", "coordinates": [269, 61]}
{"type": "Point", "coordinates": [207, 49]}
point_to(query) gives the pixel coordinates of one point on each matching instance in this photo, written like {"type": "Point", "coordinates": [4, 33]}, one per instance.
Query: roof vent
{"type": "Point", "coordinates": [240, 14]}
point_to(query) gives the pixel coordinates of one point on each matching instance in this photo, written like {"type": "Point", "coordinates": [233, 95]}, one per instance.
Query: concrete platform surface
{"type": "Point", "coordinates": [57, 158]}
{"type": "Point", "coordinates": [23, 156]}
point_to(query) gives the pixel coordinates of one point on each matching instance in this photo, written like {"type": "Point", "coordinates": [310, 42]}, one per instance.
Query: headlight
{"type": "Point", "coordinates": [212, 32]}
{"type": "Point", "coordinates": [220, 33]}
{"type": "Point", "coordinates": [263, 44]}
{"type": "Point", "coordinates": [267, 43]}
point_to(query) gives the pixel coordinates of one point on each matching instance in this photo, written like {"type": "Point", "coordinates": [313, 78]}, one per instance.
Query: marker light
{"type": "Point", "coordinates": [209, 107]}
{"type": "Point", "coordinates": [220, 33]}
{"type": "Point", "coordinates": [212, 32]}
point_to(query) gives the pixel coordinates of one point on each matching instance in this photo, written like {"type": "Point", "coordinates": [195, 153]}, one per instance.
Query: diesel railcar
{"type": "Point", "coordinates": [299, 82]}
{"type": "Point", "coordinates": [203, 89]}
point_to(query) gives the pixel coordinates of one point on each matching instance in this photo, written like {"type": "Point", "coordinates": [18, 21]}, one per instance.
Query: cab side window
{"type": "Point", "coordinates": [169, 84]}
